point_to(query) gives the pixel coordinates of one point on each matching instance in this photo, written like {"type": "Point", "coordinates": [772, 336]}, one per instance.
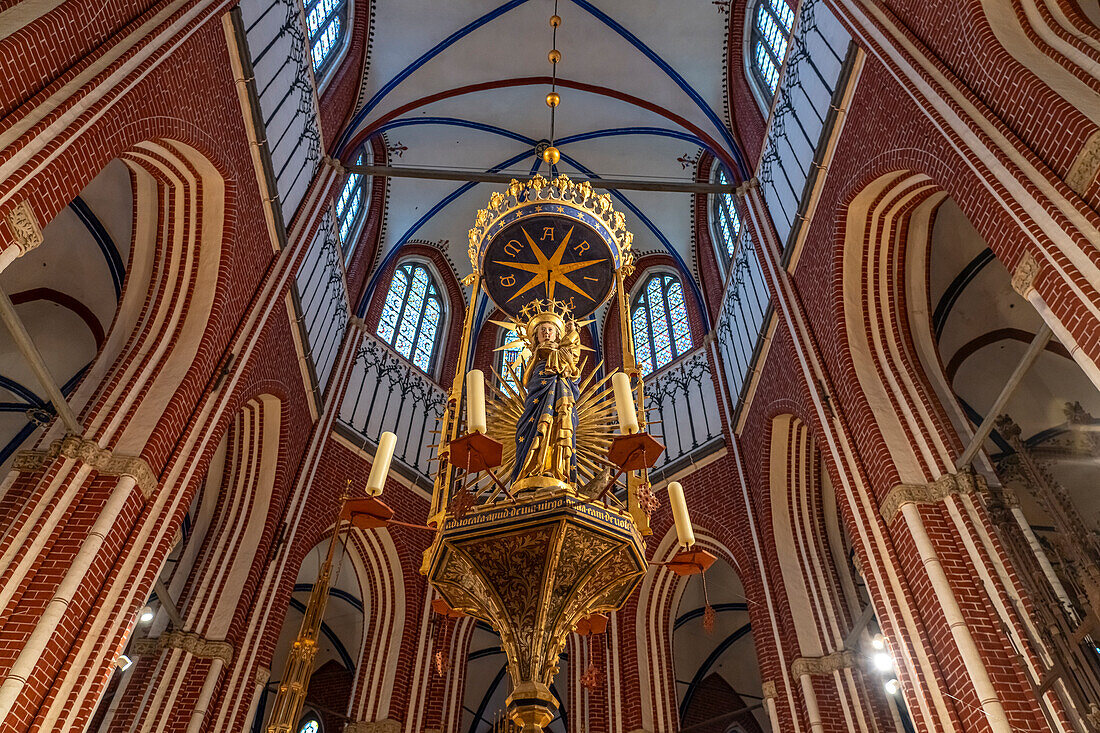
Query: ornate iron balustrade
{"type": "Point", "coordinates": [278, 49]}
{"type": "Point", "coordinates": [323, 302]}
{"type": "Point", "coordinates": [683, 405]}
{"type": "Point", "coordinates": [803, 117]}
{"type": "Point", "coordinates": [386, 392]}
{"type": "Point", "coordinates": [745, 311]}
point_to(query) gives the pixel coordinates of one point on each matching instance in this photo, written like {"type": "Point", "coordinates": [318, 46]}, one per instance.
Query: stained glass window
{"type": "Point", "coordinates": [310, 726]}
{"type": "Point", "coordinates": [727, 224]}
{"type": "Point", "coordinates": [771, 32]}
{"type": "Point", "coordinates": [660, 323]}
{"type": "Point", "coordinates": [508, 364]}
{"type": "Point", "coordinates": [325, 21]}
{"type": "Point", "coordinates": [412, 314]}
{"type": "Point", "coordinates": [348, 206]}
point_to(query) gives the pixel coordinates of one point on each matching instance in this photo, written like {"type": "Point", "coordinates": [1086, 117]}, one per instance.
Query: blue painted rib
{"type": "Point", "coordinates": [956, 288]}
{"type": "Point", "coordinates": [423, 59]}
{"type": "Point", "coordinates": [343, 595]}
{"type": "Point", "coordinates": [22, 392]}
{"type": "Point", "coordinates": [361, 310]}
{"type": "Point", "coordinates": [700, 674]}
{"type": "Point", "coordinates": [650, 54]}
{"type": "Point", "coordinates": [107, 246]}
{"type": "Point", "coordinates": [685, 273]}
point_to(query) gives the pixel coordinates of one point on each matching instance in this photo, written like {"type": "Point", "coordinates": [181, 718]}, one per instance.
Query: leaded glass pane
{"type": "Point", "coordinates": [412, 314]}
{"type": "Point", "coordinates": [326, 42]}
{"type": "Point", "coordinates": [771, 35]}
{"type": "Point", "coordinates": [784, 13]}
{"type": "Point", "coordinates": [681, 327]}
{"type": "Point", "coordinates": [766, 66]}
{"type": "Point", "coordinates": [662, 331]}
{"type": "Point", "coordinates": [508, 358]}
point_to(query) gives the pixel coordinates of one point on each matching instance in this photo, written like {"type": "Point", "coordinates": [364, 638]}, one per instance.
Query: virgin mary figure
{"type": "Point", "coordinates": [546, 441]}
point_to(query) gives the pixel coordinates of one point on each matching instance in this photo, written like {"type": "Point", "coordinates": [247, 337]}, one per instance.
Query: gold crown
{"type": "Point", "coordinates": [559, 190]}
{"type": "Point", "coordinates": [541, 311]}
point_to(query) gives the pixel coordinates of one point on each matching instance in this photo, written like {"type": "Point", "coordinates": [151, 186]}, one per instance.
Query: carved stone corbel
{"type": "Point", "coordinates": [1023, 277]}
{"type": "Point", "coordinates": [938, 490]}
{"type": "Point", "coordinates": [769, 690]}
{"type": "Point", "coordinates": [24, 227]}
{"type": "Point", "coordinates": [88, 451]}
{"type": "Point", "coordinates": [844, 659]}
{"type": "Point", "coordinates": [190, 642]}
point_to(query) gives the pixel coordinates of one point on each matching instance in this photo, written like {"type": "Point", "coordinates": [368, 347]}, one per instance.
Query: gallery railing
{"type": "Point", "coordinates": [322, 301]}
{"type": "Point", "coordinates": [387, 393]}
{"type": "Point", "coordinates": [745, 313]}
{"type": "Point", "coordinates": [683, 410]}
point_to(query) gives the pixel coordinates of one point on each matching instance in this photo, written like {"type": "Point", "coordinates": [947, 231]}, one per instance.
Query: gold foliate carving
{"type": "Point", "coordinates": [1023, 278]}
{"type": "Point", "coordinates": [24, 227]}
{"type": "Point", "coordinates": [827, 664]}
{"type": "Point", "coordinates": [560, 189]}
{"type": "Point", "coordinates": [88, 451]}
{"type": "Point", "coordinates": [938, 490]}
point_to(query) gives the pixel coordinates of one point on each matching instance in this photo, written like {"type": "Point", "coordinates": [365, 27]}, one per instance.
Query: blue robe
{"type": "Point", "coordinates": [544, 389]}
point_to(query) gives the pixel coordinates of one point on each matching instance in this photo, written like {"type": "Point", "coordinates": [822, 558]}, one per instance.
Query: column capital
{"type": "Point", "coordinates": [88, 451]}
{"type": "Point", "coordinates": [747, 186]}
{"type": "Point", "coordinates": [194, 644]}
{"type": "Point", "coordinates": [1023, 277]}
{"type": "Point", "coordinates": [769, 690]}
{"type": "Point", "coordinates": [938, 490]}
{"type": "Point", "coordinates": [24, 227]}
{"type": "Point", "coordinates": [843, 659]}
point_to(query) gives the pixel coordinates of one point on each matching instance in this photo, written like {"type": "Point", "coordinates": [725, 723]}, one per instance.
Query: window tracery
{"type": "Point", "coordinates": [726, 221]}
{"type": "Point", "coordinates": [411, 318]}
{"type": "Point", "coordinates": [325, 21]}
{"type": "Point", "coordinates": [770, 35]}
{"type": "Point", "coordinates": [348, 206]}
{"type": "Point", "coordinates": [659, 318]}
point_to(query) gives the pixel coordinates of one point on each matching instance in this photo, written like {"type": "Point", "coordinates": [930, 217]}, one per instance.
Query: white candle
{"type": "Point", "coordinates": [475, 401]}
{"type": "Point", "coordinates": [680, 514]}
{"type": "Point", "coordinates": [381, 466]}
{"type": "Point", "coordinates": [624, 403]}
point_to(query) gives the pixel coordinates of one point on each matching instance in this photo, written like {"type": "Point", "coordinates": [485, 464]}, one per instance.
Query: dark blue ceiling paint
{"type": "Point", "coordinates": [697, 612]}
{"type": "Point", "coordinates": [107, 246]}
{"type": "Point", "coordinates": [701, 673]}
{"type": "Point", "coordinates": [424, 58]}
{"type": "Point", "coordinates": [327, 632]}
{"type": "Point", "coordinates": [343, 595]}
{"type": "Point", "coordinates": [649, 53]}
{"type": "Point", "coordinates": [17, 389]}
{"type": "Point", "coordinates": [956, 288]}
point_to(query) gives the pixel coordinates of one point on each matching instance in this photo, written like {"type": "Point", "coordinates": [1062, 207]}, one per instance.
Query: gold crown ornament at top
{"type": "Point", "coordinates": [557, 196]}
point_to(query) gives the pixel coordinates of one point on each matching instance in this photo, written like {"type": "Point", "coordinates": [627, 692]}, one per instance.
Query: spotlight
{"type": "Point", "coordinates": [891, 686]}
{"type": "Point", "coordinates": [123, 662]}
{"type": "Point", "coordinates": [147, 615]}
{"type": "Point", "coordinates": [878, 642]}
{"type": "Point", "coordinates": [882, 662]}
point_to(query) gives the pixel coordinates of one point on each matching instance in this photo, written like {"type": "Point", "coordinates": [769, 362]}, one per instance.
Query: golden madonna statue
{"type": "Point", "coordinates": [541, 419]}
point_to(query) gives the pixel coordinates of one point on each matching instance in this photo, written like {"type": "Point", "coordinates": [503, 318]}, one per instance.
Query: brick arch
{"type": "Point", "coordinates": [452, 289]}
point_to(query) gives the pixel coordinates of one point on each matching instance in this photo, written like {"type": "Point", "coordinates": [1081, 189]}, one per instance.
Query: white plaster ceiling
{"type": "Point", "coordinates": [671, 55]}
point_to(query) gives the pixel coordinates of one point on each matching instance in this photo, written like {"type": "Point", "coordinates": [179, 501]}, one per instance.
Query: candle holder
{"type": "Point", "coordinates": [690, 562]}
{"type": "Point", "coordinates": [476, 452]}
{"type": "Point", "coordinates": [635, 451]}
{"type": "Point", "coordinates": [366, 512]}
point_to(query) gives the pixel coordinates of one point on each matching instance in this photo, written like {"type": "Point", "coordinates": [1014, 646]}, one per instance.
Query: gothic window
{"type": "Point", "coordinates": [325, 21]}
{"type": "Point", "coordinates": [509, 355]}
{"type": "Point", "coordinates": [660, 322]}
{"type": "Point", "coordinates": [727, 224]}
{"type": "Point", "coordinates": [310, 725]}
{"type": "Point", "coordinates": [411, 317]}
{"type": "Point", "coordinates": [349, 205]}
{"type": "Point", "coordinates": [770, 34]}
